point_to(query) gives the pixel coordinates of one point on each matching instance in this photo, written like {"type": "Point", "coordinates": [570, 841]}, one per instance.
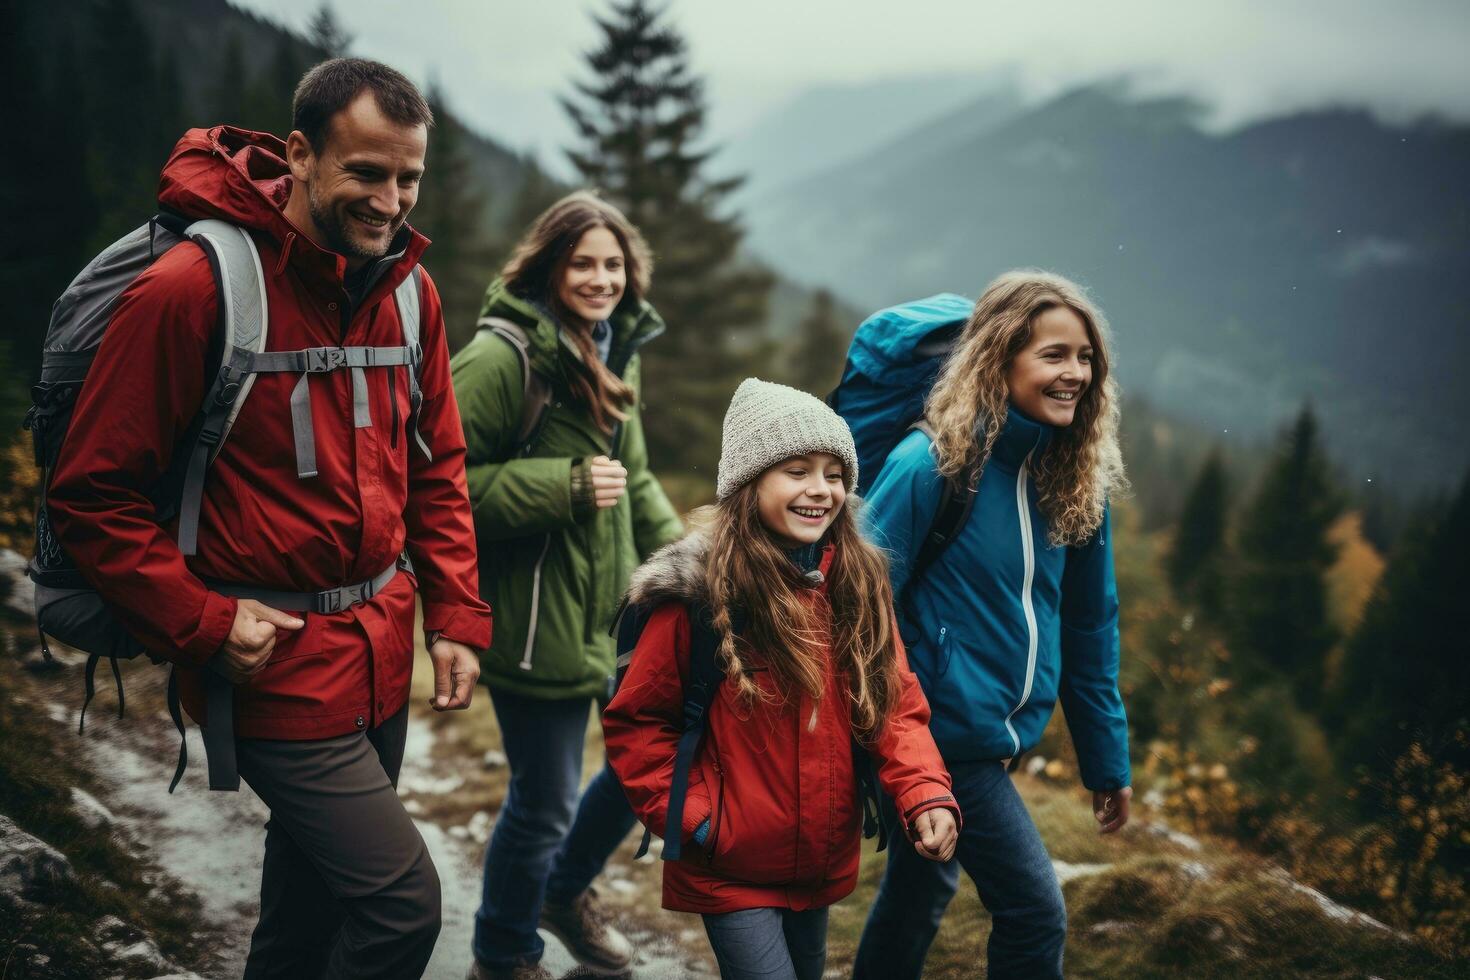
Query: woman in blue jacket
{"type": "Point", "coordinates": [1021, 608]}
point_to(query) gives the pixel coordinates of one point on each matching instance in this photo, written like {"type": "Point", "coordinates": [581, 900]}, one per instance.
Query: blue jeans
{"type": "Point", "coordinates": [769, 944]}
{"type": "Point", "coordinates": [1003, 855]}
{"type": "Point", "coordinates": [545, 845]}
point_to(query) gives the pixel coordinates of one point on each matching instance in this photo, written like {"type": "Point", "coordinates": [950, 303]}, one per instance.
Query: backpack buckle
{"type": "Point", "coordinates": [229, 388]}
{"type": "Point", "coordinates": [324, 360]}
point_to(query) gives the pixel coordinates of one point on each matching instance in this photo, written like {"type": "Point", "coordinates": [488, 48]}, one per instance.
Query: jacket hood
{"type": "Point", "coordinates": [240, 176]}
{"type": "Point", "coordinates": [231, 174]}
{"type": "Point", "coordinates": [673, 573]}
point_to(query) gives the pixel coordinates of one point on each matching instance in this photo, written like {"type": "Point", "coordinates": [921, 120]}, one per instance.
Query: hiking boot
{"type": "Point", "coordinates": [521, 971]}
{"type": "Point", "coordinates": [582, 926]}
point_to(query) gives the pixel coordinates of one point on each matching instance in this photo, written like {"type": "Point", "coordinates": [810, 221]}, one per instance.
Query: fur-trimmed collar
{"type": "Point", "coordinates": [673, 573]}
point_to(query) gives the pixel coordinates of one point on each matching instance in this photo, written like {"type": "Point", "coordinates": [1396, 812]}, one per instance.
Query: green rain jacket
{"type": "Point", "coordinates": [553, 566]}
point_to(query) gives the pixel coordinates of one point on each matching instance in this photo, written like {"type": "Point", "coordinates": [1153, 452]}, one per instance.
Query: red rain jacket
{"type": "Point", "coordinates": [259, 523]}
{"type": "Point", "coordinates": [785, 822]}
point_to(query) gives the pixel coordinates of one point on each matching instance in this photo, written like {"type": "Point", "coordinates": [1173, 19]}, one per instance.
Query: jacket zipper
{"type": "Point", "coordinates": [535, 605]}
{"type": "Point", "coordinates": [1028, 554]}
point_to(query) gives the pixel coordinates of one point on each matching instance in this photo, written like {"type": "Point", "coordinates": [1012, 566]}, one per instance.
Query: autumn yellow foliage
{"type": "Point", "coordinates": [19, 480]}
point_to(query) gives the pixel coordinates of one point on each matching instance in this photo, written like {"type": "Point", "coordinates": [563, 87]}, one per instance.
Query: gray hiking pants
{"type": "Point", "coordinates": [347, 888]}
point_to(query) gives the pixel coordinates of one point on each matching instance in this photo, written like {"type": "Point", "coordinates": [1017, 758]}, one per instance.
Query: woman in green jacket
{"type": "Point", "coordinates": [565, 508]}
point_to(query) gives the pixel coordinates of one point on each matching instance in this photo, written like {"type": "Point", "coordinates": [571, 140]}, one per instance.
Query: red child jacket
{"type": "Point", "coordinates": [374, 495]}
{"type": "Point", "coordinates": [780, 795]}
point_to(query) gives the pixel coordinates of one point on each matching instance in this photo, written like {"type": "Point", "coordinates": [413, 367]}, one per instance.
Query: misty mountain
{"type": "Point", "coordinates": [1315, 256]}
{"type": "Point", "coordinates": [827, 125]}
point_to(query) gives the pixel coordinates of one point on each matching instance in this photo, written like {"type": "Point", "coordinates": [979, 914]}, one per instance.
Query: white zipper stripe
{"type": "Point", "coordinates": [1028, 553]}
{"type": "Point", "coordinates": [525, 663]}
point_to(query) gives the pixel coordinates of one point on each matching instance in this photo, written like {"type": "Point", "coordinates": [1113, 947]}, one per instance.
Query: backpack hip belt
{"type": "Point", "coordinates": [326, 601]}
{"type": "Point", "coordinates": [219, 692]}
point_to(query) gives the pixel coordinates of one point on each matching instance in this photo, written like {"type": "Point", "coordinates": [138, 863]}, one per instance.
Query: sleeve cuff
{"type": "Point", "coordinates": [584, 497]}
{"type": "Point", "coordinates": [930, 796]}
{"type": "Point", "coordinates": [1109, 784]}
{"type": "Point", "coordinates": [215, 623]}
{"type": "Point", "coordinates": [697, 810]}
{"type": "Point", "coordinates": [460, 625]}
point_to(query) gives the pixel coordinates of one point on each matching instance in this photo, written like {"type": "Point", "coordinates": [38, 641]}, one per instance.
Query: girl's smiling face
{"type": "Point", "coordinates": [798, 498]}
{"type": "Point", "coordinates": [595, 276]}
{"type": "Point", "coordinates": [1046, 379]}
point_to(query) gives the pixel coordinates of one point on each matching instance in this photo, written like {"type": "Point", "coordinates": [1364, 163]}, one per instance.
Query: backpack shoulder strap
{"type": "Point", "coordinates": [410, 316]}
{"type": "Point", "coordinates": [956, 500]}
{"type": "Point", "coordinates": [536, 389]}
{"type": "Point", "coordinates": [243, 326]}
{"type": "Point", "coordinates": [704, 680]}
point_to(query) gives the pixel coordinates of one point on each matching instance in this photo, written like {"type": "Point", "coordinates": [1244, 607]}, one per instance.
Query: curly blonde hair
{"type": "Point", "coordinates": [1082, 464]}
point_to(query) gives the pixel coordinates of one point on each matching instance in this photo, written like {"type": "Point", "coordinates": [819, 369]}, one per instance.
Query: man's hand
{"type": "Point", "coordinates": [252, 639]}
{"type": "Point", "coordinates": [609, 481]}
{"type": "Point", "coordinates": [1110, 807]}
{"type": "Point", "coordinates": [937, 834]}
{"type": "Point", "coordinates": [456, 668]}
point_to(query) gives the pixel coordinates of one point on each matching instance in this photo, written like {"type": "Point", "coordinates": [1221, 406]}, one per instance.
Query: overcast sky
{"type": "Point", "coordinates": [503, 62]}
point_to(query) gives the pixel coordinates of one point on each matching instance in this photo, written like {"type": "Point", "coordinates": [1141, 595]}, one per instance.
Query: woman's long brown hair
{"type": "Point", "coordinates": [748, 572]}
{"type": "Point", "coordinates": [536, 268]}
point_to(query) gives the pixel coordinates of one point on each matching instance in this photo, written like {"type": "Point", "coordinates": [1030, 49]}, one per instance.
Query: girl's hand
{"type": "Point", "coordinates": [937, 834]}
{"type": "Point", "coordinates": [609, 481]}
{"type": "Point", "coordinates": [1111, 808]}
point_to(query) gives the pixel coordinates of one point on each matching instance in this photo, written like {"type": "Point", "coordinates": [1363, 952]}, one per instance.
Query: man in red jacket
{"type": "Point", "coordinates": [320, 697]}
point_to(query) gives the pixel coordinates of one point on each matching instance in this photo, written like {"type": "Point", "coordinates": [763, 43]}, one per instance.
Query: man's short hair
{"type": "Point", "coordinates": [331, 86]}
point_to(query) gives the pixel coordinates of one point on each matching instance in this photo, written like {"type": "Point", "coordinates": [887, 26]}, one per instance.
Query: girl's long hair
{"type": "Point", "coordinates": [750, 576]}
{"type": "Point", "coordinates": [1082, 464]}
{"type": "Point", "coordinates": [536, 268]}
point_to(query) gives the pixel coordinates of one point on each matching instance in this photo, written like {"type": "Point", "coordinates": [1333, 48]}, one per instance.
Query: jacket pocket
{"type": "Point", "coordinates": [749, 840]}
{"type": "Point", "coordinates": [943, 647]}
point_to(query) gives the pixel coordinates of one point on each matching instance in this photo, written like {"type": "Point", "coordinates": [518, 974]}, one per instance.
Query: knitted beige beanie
{"type": "Point", "coordinates": [767, 423]}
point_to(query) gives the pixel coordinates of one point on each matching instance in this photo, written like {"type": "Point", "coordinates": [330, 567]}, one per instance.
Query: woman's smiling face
{"type": "Point", "coordinates": [595, 276]}
{"type": "Point", "coordinates": [798, 498]}
{"type": "Point", "coordinates": [1047, 378]}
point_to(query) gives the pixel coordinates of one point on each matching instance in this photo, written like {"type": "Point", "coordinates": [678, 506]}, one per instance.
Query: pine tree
{"type": "Point", "coordinates": [229, 95]}
{"type": "Point", "coordinates": [451, 212]}
{"type": "Point", "coordinates": [1406, 671]}
{"type": "Point", "coordinates": [1196, 557]}
{"type": "Point", "coordinates": [265, 103]}
{"type": "Point", "coordinates": [821, 347]}
{"type": "Point", "coordinates": [169, 119]}
{"type": "Point", "coordinates": [45, 190]}
{"type": "Point", "coordinates": [1279, 607]}
{"type": "Point", "coordinates": [326, 33]}
{"type": "Point", "coordinates": [280, 79]}
{"type": "Point", "coordinates": [123, 169]}
{"type": "Point", "coordinates": [640, 121]}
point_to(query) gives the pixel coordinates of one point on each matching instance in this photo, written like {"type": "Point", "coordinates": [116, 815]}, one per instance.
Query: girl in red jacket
{"type": "Point", "coordinates": [772, 814]}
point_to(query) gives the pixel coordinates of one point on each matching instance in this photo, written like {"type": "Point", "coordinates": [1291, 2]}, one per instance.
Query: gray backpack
{"type": "Point", "coordinates": [67, 607]}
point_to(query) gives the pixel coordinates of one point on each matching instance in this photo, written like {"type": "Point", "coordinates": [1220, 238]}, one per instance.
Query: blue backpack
{"type": "Point", "coordinates": [892, 364]}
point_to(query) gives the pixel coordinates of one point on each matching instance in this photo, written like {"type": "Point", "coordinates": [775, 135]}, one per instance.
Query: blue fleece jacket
{"type": "Point", "coordinates": [1002, 622]}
